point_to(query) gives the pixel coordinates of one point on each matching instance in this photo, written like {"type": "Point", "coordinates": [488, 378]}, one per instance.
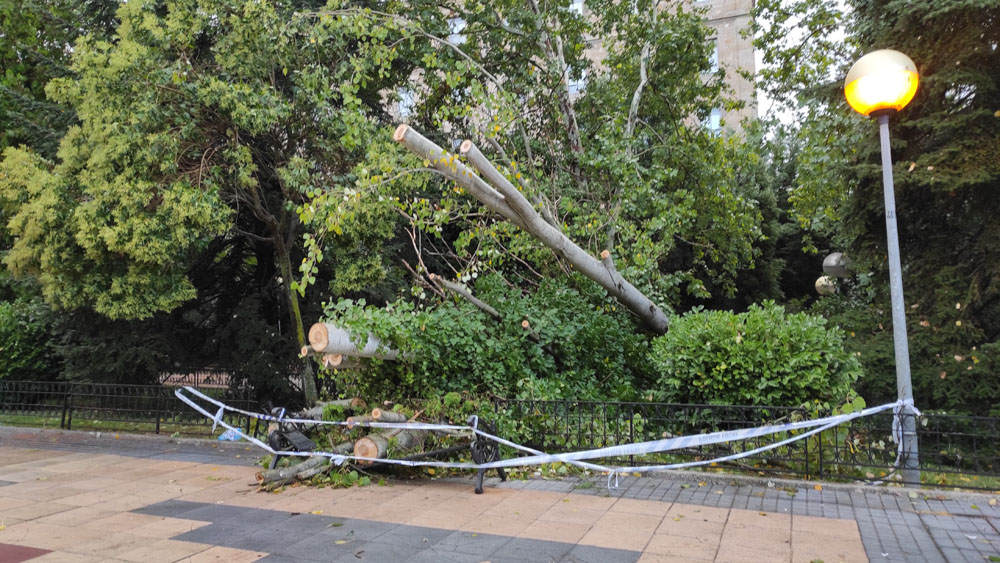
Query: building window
{"type": "Point", "coordinates": [714, 121]}
{"type": "Point", "coordinates": [577, 85]}
{"type": "Point", "coordinates": [713, 55]}
{"type": "Point", "coordinates": [456, 28]}
{"type": "Point", "coordinates": [576, 6]}
{"type": "Point", "coordinates": [407, 102]}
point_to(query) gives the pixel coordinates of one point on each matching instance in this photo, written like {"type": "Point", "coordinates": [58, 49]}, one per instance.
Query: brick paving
{"type": "Point", "coordinates": [74, 496]}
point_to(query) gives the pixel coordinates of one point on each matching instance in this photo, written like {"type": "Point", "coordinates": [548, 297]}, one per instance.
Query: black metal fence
{"type": "Point", "coordinates": [100, 406]}
{"type": "Point", "coordinates": [954, 451]}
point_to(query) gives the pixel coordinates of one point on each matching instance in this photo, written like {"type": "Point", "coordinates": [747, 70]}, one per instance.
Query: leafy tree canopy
{"type": "Point", "coordinates": [947, 170]}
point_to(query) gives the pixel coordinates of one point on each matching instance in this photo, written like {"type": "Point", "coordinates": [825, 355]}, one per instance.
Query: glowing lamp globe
{"type": "Point", "coordinates": [881, 80]}
{"type": "Point", "coordinates": [826, 285]}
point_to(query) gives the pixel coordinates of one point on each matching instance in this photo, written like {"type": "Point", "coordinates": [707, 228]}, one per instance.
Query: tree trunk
{"type": "Point", "coordinates": [375, 445]}
{"type": "Point", "coordinates": [382, 415]}
{"type": "Point", "coordinates": [273, 475]}
{"type": "Point", "coordinates": [344, 448]}
{"type": "Point", "coordinates": [349, 405]}
{"type": "Point", "coordinates": [352, 421]}
{"type": "Point", "coordinates": [513, 206]}
{"type": "Point", "coordinates": [285, 265]}
{"type": "Point", "coordinates": [326, 338]}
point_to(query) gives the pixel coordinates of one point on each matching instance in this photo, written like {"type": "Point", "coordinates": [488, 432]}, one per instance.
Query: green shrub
{"type": "Point", "coordinates": [25, 352]}
{"type": "Point", "coordinates": [762, 357]}
{"type": "Point", "coordinates": [579, 346]}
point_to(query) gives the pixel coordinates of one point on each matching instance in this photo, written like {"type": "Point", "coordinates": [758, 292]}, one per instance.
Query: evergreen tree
{"type": "Point", "coordinates": [947, 173]}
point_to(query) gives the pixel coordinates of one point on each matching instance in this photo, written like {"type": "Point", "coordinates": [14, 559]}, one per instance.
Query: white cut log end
{"type": "Point", "coordinates": [400, 133]}
{"type": "Point", "coordinates": [465, 147]}
{"type": "Point", "coordinates": [319, 336]}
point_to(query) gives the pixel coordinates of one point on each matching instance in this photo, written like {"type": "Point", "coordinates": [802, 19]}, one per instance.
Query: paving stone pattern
{"type": "Point", "coordinates": [182, 500]}
{"type": "Point", "coordinates": [300, 538]}
{"type": "Point", "coordinates": [894, 527]}
{"type": "Point", "coordinates": [156, 447]}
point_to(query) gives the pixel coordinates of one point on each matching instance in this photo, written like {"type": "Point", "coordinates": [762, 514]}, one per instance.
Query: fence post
{"type": "Point", "coordinates": [631, 431]}
{"type": "Point", "coordinates": [65, 408]}
{"type": "Point", "coordinates": [69, 407]}
{"type": "Point", "coordinates": [157, 406]}
{"type": "Point", "coordinates": [806, 441]}
{"type": "Point", "coordinates": [820, 448]}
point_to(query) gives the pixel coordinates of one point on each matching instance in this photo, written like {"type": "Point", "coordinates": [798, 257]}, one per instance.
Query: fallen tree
{"type": "Point", "coordinates": [274, 478]}
{"type": "Point", "coordinates": [497, 193]}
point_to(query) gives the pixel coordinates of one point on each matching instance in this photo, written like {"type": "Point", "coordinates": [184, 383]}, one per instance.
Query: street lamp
{"type": "Point", "coordinates": [878, 85]}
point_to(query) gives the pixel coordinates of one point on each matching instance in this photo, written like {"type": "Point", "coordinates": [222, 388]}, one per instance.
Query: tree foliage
{"type": "Point", "coordinates": [764, 356]}
{"type": "Point", "coordinates": [201, 126]}
{"type": "Point", "coordinates": [947, 168]}
{"type": "Point", "coordinates": [35, 47]}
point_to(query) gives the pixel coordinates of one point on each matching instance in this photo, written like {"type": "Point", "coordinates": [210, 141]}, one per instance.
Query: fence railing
{"type": "Point", "coordinates": [954, 451]}
{"type": "Point", "coordinates": [100, 406]}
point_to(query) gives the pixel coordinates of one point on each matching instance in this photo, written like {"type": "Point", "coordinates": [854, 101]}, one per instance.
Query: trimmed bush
{"type": "Point", "coordinates": [764, 356]}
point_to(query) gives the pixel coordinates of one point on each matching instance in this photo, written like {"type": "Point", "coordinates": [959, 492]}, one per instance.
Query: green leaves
{"type": "Point", "coordinates": [762, 357]}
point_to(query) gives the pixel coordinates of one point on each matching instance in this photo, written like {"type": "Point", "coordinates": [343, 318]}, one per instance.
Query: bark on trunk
{"type": "Point", "coordinates": [382, 415]}
{"type": "Point", "coordinates": [353, 421]}
{"type": "Point", "coordinates": [273, 475]}
{"type": "Point", "coordinates": [326, 338]}
{"type": "Point", "coordinates": [375, 445]}
{"type": "Point", "coordinates": [348, 405]}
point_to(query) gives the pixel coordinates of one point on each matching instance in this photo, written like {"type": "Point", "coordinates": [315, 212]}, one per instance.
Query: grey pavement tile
{"type": "Point", "coordinates": [472, 543]}
{"type": "Point", "coordinates": [590, 554]}
{"type": "Point", "coordinates": [169, 508]}
{"type": "Point", "coordinates": [258, 518]}
{"type": "Point", "coordinates": [952, 555]}
{"type": "Point", "coordinates": [271, 541]}
{"type": "Point", "coordinates": [433, 555]}
{"type": "Point", "coordinates": [973, 555]}
{"type": "Point", "coordinates": [319, 548]}
{"type": "Point", "coordinates": [376, 552]}
{"type": "Point", "coordinates": [214, 512]}
{"type": "Point", "coordinates": [417, 536]}
{"type": "Point", "coordinates": [351, 529]}
{"type": "Point", "coordinates": [307, 523]}
{"type": "Point", "coordinates": [532, 551]}
{"type": "Point", "coordinates": [283, 559]}
{"type": "Point", "coordinates": [224, 535]}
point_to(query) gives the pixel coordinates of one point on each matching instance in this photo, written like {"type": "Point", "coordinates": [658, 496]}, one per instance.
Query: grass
{"type": "Point", "coordinates": [42, 421]}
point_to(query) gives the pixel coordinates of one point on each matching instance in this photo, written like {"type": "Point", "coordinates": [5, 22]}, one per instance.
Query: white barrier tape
{"type": "Point", "coordinates": [680, 442]}
{"type": "Point", "coordinates": [339, 458]}
{"type": "Point", "coordinates": [574, 458]}
{"type": "Point", "coordinates": [261, 416]}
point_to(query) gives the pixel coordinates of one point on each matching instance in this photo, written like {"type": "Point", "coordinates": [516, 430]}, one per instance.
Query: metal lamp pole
{"type": "Point", "coordinates": [904, 387]}
{"type": "Point", "coordinates": [878, 85]}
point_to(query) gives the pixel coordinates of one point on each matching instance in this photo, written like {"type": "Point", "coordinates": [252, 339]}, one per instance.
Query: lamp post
{"type": "Point", "coordinates": [878, 85]}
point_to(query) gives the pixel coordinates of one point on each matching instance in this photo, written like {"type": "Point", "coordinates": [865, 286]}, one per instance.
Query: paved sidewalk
{"type": "Point", "coordinates": [78, 497]}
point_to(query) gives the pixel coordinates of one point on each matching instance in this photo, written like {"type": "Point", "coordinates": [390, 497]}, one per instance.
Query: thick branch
{"type": "Point", "coordinates": [485, 307]}
{"type": "Point", "coordinates": [551, 237]}
{"type": "Point", "coordinates": [329, 339]}
{"type": "Point", "coordinates": [450, 167]}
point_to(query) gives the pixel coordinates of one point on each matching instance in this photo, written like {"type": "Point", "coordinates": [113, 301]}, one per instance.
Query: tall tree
{"type": "Point", "coordinates": [203, 123]}
{"type": "Point", "coordinates": [947, 169]}
{"type": "Point", "coordinates": [35, 47]}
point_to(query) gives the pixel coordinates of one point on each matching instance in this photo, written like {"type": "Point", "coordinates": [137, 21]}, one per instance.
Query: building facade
{"type": "Point", "coordinates": [733, 52]}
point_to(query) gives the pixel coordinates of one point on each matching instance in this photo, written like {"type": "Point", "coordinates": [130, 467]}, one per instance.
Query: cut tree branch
{"type": "Point", "coordinates": [515, 207]}
{"type": "Point", "coordinates": [461, 291]}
